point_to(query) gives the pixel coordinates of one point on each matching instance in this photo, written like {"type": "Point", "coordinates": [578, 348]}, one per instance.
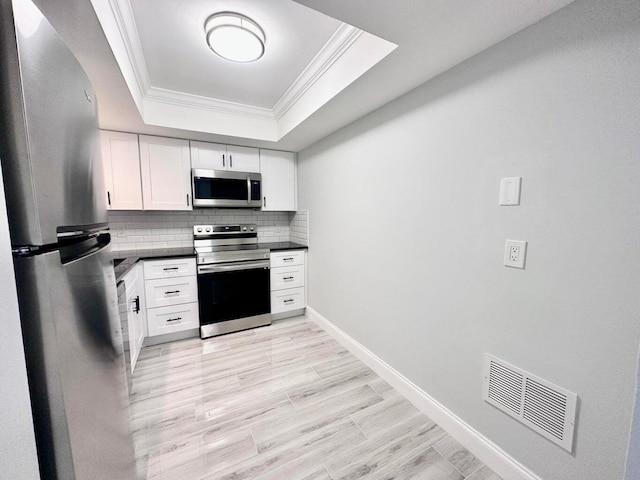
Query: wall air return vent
{"type": "Point", "coordinates": [540, 405]}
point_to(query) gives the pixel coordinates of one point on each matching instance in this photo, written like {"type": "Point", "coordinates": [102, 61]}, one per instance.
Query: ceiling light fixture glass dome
{"type": "Point", "coordinates": [234, 37]}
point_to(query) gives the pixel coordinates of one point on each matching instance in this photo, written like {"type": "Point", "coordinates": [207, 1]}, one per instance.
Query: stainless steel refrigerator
{"type": "Point", "coordinates": [64, 274]}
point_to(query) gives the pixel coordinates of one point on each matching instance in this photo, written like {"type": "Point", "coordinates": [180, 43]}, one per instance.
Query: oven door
{"type": "Point", "coordinates": [233, 296]}
{"type": "Point", "coordinates": [217, 188]}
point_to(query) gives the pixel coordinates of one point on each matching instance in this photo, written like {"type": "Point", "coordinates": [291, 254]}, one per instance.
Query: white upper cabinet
{"type": "Point", "coordinates": [243, 159]}
{"type": "Point", "coordinates": [211, 156]}
{"type": "Point", "coordinates": [278, 180]}
{"type": "Point", "coordinates": [215, 156]}
{"type": "Point", "coordinates": [121, 161]}
{"type": "Point", "coordinates": [166, 173]}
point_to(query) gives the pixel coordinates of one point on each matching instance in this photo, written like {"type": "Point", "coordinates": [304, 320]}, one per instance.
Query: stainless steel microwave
{"type": "Point", "coordinates": [220, 188]}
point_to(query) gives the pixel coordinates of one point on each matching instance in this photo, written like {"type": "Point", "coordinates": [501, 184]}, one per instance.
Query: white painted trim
{"type": "Point", "coordinates": [335, 47]}
{"type": "Point", "coordinates": [485, 450]}
{"type": "Point", "coordinates": [123, 15]}
{"type": "Point", "coordinates": [189, 100]}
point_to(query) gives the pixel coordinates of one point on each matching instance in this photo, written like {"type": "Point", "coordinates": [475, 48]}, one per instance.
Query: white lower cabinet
{"type": "Point", "coordinates": [288, 274]}
{"type": "Point", "coordinates": [287, 300]}
{"type": "Point", "coordinates": [136, 314]}
{"type": "Point", "coordinates": [287, 277]}
{"type": "Point", "coordinates": [171, 291]}
{"type": "Point", "coordinates": [163, 292]}
{"type": "Point", "coordinates": [172, 319]}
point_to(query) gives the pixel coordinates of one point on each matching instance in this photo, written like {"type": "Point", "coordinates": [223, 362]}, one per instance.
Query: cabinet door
{"type": "Point", "coordinates": [243, 159]}
{"type": "Point", "coordinates": [278, 180]}
{"type": "Point", "coordinates": [136, 315]}
{"type": "Point", "coordinates": [212, 156]}
{"type": "Point", "coordinates": [121, 163]}
{"type": "Point", "coordinates": [166, 173]}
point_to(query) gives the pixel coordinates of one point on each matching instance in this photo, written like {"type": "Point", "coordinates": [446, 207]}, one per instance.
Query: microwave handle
{"type": "Point", "coordinates": [248, 189]}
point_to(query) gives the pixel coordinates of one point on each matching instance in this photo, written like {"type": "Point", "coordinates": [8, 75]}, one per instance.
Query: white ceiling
{"type": "Point", "coordinates": [432, 37]}
{"type": "Point", "coordinates": [172, 37]}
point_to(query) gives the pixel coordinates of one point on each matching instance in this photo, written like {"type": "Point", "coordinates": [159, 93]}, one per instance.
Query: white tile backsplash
{"type": "Point", "coordinates": [299, 227]}
{"type": "Point", "coordinates": [141, 230]}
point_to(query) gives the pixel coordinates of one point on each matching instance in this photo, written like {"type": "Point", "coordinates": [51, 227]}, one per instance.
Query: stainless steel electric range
{"type": "Point", "coordinates": [233, 279]}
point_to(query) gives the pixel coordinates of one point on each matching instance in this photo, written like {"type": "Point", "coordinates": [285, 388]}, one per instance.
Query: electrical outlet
{"type": "Point", "coordinates": [121, 232]}
{"type": "Point", "coordinates": [515, 252]}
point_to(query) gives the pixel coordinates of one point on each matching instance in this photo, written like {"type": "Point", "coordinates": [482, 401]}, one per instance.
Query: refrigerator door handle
{"type": "Point", "coordinates": [86, 248]}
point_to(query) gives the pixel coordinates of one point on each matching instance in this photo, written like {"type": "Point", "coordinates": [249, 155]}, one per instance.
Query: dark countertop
{"type": "Point", "coordinates": [275, 246]}
{"type": "Point", "coordinates": [125, 259]}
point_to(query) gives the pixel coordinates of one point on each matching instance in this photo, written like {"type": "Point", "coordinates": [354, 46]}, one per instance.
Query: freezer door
{"type": "Point", "coordinates": [75, 365]}
{"type": "Point", "coordinates": [48, 130]}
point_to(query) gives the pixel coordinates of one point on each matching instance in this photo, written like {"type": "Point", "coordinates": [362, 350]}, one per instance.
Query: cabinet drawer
{"type": "Point", "coordinates": [163, 292]}
{"type": "Point", "coordinates": [177, 267]}
{"type": "Point", "coordinates": [287, 277]}
{"type": "Point", "coordinates": [285, 300]}
{"type": "Point", "coordinates": [283, 259]}
{"type": "Point", "coordinates": [175, 318]}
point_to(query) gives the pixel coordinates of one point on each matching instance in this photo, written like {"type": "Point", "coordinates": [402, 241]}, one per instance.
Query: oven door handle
{"type": "Point", "coordinates": [233, 267]}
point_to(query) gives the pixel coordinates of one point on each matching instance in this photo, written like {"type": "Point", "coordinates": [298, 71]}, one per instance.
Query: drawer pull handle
{"type": "Point", "coordinates": [287, 278]}
{"type": "Point", "coordinates": [288, 259]}
{"type": "Point", "coordinates": [174, 319]}
{"type": "Point", "coordinates": [172, 292]}
{"type": "Point", "coordinates": [289, 300]}
{"type": "Point", "coordinates": [170, 268]}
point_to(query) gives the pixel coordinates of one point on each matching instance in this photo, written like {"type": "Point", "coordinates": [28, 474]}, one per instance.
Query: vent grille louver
{"type": "Point", "coordinates": [537, 403]}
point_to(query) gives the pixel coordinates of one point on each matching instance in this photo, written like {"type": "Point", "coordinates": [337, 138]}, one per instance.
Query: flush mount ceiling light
{"type": "Point", "coordinates": [234, 37]}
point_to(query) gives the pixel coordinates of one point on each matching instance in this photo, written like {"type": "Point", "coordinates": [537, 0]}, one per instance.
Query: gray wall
{"type": "Point", "coordinates": [18, 458]}
{"type": "Point", "coordinates": [408, 240]}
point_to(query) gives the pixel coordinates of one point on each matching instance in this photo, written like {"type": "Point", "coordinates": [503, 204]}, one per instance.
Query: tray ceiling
{"type": "Point", "coordinates": [178, 82]}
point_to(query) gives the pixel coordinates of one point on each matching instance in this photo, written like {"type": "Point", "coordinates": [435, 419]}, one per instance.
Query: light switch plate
{"type": "Point", "coordinates": [515, 253]}
{"type": "Point", "coordinates": [510, 190]}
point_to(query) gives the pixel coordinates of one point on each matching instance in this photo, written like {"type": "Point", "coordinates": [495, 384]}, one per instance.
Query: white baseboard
{"type": "Point", "coordinates": [485, 450]}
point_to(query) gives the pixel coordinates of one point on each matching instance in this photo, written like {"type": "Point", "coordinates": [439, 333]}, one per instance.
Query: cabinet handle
{"type": "Point", "coordinates": [170, 268]}
{"type": "Point", "coordinates": [231, 160]}
{"type": "Point", "coordinates": [187, 199]}
{"type": "Point", "coordinates": [136, 304]}
{"type": "Point", "coordinates": [287, 278]}
{"type": "Point", "coordinates": [172, 292]}
{"type": "Point", "coordinates": [109, 198]}
{"type": "Point", "coordinates": [264, 201]}
{"type": "Point", "coordinates": [288, 259]}
{"type": "Point", "coordinates": [223, 160]}
{"type": "Point", "coordinates": [174, 319]}
{"type": "Point", "coordinates": [288, 300]}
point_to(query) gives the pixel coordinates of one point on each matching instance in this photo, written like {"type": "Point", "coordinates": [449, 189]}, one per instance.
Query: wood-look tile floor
{"type": "Point", "coordinates": [283, 402]}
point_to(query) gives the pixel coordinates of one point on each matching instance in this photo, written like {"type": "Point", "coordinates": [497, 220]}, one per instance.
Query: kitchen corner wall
{"type": "Point", "coordinates": [142, 230]}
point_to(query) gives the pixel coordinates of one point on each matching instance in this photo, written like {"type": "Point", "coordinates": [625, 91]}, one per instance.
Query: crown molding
{"type": "Point", "coordinates": [343, 38]}
{"type": "Point", "coordinates": [189, 100]}
{"type": "Point", "coordinates": [126, 23]}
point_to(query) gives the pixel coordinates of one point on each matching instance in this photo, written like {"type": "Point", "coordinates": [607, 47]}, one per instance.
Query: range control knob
{"type": "Point", "coordinates": [208, 229]}
{"type": "Point", "coordinates": [252, 228]}
{"type": "Point", "coordinates": [199, 229]}
{"type": "Point", "coordinates": [244, 228]}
